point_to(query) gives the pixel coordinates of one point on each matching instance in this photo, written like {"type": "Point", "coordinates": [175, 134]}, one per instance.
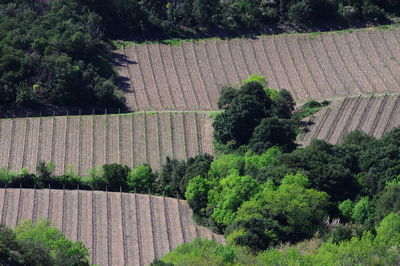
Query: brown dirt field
{"type": "Point", "coordinates": [100, 129]}
{"type": "Point", "coordinates": [25, 212]}
{"type": "Point", "coordinates": [10, 211]}
{"type": "Point", "coordinates": [373, 115]}
{"type": "Point", "coordinates": [116, 229]}
{"type": "Point", "coordinates": [113, 140]}
{"type": "Point", "coordinates": [70, 218]}
{"type": "Point", "coordinates": [127, 150]}
{"type": "Point", "coordinates": [216, 65]}
{"type": "Point", "coordinates": [187, 84]}
{"type": "Point", "coordinates": [101, 227]}
{"type": "Point", "coordinates": [311, 66]}
{"type": "Point", "coordinates": [90, 141]}
{"type": "Point", "coordinates": [139, 140]}
{"type": "Point", "coordinates": [5, 141]}
{"type": "Point", "coordinates": [132, 240]}
{"type": "Point", "coordinates": [166, 133]}
{"type": "Point", "coordinates": [161, 226]}
{"type": "Point", "coordinates": [31, 148]}
{"type": "Point", "coordinates": [161, 79]}
{"type": "Point", "coordinates": [171, 76]}
{"type": "Point", "coordinates": [153, 139]}
{"type": "Point", "coordinates": [180, 150]}
{"type": "Point", "coordinates": [59, 147]}
{"type": "Point", "coordinates": [121, 222]}
{"type": "Point", "coordinates": [146, 228]}
{"type": "Point", "coordinates": [17, 148]}
{"type": "Point", "coordinates": [193, 145]}
{"type": "Point", "coordinates": [86, 147]}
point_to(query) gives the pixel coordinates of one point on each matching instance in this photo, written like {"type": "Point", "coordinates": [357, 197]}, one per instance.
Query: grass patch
{"type": "Point", "coordinates": [310, 108]}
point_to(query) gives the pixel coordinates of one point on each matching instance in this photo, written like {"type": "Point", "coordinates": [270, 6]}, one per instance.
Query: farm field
{"type": "Point", "coordinates": [118, 228]}
{"type": "Point", "coordinates": [311, 66]}
{"type": "Point", "coordinates": [81, 143]}
{"type": "Point", "coordinates": [373, 115]}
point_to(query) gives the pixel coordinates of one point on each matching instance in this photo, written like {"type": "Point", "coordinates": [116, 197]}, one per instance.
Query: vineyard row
{"type": "Point", "coordinates": [118, 228]}
{"type": "Point", "coordinates": [373, 115]}
{"type": "Point", "coordinates": [86, 142]}
{"type": "Point", "coordinates": [324, 66]}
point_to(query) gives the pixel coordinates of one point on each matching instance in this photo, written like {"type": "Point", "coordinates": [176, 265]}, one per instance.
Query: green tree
{"type": "Point", "coordinates": [116, 176]}
{"type": "Point", "coordinates": [274, 132]}
{"type": "Point", "coordinates": [298, 210]}
{"type": "Point", "coordinates": [229, 194]}
{"type": "Point", "coordinates": [142, 179]}
{"type": "Point", "coordinates": [41, 243]}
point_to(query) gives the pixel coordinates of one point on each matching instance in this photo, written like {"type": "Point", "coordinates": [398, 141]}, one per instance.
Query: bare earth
{"type": "Point", "coordinates": [373, 115]}
{"type": "Point", "coordinates": [82, 143]}
{"type": "Point", "coordinates": [108, 223]}
{"type": "Point", "coordinates": [311, 66]}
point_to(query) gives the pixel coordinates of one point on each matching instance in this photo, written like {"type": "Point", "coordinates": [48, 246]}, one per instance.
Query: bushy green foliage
{"type": "Point", "coordinates": [39, 244]}
{"type": "Point", "coordinates": [274, 132]}
{"type": "Point", "coordinates": [387, 201]}
{"type": "Point", "coordinates": [54, 52]}
{"type": "Point", "coordinates": [228, 195]}
{"type": "Point", "coordinates": [200, 251]}
{"type": "Point", "coordinates": [253, 115]}
{"type": "Point", "coordinates": [329, 168]}
{"type": "Point", "coordinates": [191, 17]}
{"type": "Point", "coordinates": [297, 209]}
{"type": "Point", "coordinates": [142, 179]}
{"type": "Point", "coordinates": [380, 249]}
{"type": "Point", "coordinates": [309, 108]}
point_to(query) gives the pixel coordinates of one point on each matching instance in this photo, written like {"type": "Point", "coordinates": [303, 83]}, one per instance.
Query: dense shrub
{"type": "Point", "coordinates": [54, 53]}
{"type": "Point", "coordinates": [255, 115]}
{"type": "Point", "coordinates": [39, 244]}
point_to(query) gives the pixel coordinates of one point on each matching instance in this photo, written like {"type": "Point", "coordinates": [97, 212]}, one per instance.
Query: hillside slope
{"type": "Point", "coordinates": [373, 115]}
{"type": "Point", "coordinates": [85, 142]}
{"type": "Point", "coordinates": [118, 228]}
{"type": "Point", "coordinates": [311, 66]}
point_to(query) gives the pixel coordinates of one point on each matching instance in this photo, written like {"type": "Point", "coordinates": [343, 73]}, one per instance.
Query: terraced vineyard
{"type": "Point", "coordinates": [373, 115]}
{"type": "Point", "coordinates": [188, 76]}
{"type": "Point", "coordinates": [118, 228]}
{"type": "Point", "coordinates": [88, 141]}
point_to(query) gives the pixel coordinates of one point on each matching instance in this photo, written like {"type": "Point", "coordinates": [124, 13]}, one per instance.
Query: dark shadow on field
{"type": "Point", "coordinates": [305, 126]}
{"type": "Point", "coordinates": [121, 60]}
{"type": "Point", "coordinates": [124, 84]}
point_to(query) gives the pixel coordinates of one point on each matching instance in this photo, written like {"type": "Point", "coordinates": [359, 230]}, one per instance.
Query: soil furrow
{"type": "Point", "coordinates": [174, 76]}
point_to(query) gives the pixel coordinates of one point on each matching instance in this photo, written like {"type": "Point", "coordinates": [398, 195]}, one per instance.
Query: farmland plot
{"type": "Point", "coordinates": [373, 115]}
{"type": "Point", "coordinates": [118, 228]}
{"type": "Point", "coordinates": [326, 65]}
{"type": "Point", "coordinates": [82, 143]}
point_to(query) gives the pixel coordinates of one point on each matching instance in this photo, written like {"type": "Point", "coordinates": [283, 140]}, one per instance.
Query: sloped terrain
{"type": "Point", "coordinates": [311, 66]}
{"type": "Point", "coordinates": [373, 115]}
{"type": "Point", "coordinates": [118, 228]}
{"type": "Point", "coordinates": [85, 142]}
